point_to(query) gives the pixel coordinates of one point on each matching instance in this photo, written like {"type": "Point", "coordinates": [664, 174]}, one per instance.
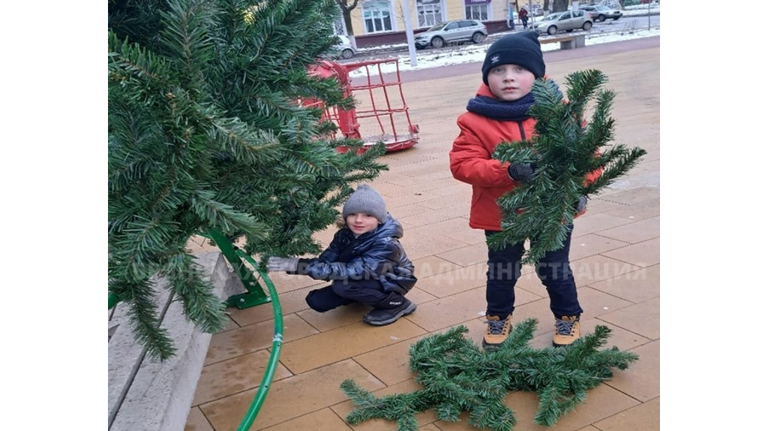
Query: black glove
{"type": "Point", "coordinates": [581, 205]}
{"type": "Point", "coordinates": [522, 172]}
{"type": "Point", "coordinates": [288, 264]}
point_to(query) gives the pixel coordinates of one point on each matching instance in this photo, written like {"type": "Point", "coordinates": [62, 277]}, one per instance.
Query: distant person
{"type": "Point", "coordinates": [498, 113]}
{"type": "Point", "coordinates": [523, 14]}
{"type": "Point", "coordinates": [364, 262]}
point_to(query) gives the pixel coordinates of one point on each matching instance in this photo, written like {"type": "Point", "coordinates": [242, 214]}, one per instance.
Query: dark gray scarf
{"type": "Point", "coordinates": [516, 110]}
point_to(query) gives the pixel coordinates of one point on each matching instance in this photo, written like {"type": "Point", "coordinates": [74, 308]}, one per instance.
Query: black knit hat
{"type": "Point", "coordinates": [365, 200]}
{"type": "Point", "coordinates": [521, 48]}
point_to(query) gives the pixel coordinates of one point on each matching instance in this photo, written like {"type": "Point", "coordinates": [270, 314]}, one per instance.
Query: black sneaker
{"type": "Point", "coordinates": [385, 316]}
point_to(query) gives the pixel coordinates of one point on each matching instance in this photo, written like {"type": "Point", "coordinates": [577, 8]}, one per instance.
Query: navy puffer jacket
{"type": "Point", "coordinates": [375, 255]}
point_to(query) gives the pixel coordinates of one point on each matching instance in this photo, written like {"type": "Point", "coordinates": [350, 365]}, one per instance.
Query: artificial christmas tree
{"type": "Point", "coordinates": [206, 134]}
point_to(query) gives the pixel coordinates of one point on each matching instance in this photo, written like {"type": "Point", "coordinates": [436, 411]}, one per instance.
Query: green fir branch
{"type": "Point", "coordinates": [458, 376]}
{"type": "Point", "coordinates": [566, 148]}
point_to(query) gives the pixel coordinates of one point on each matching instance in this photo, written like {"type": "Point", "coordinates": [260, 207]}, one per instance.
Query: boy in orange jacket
{"type": "Point", "coordinates": [499, 113]}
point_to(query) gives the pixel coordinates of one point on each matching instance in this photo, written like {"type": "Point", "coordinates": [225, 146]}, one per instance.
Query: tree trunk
{"type": "Point", "coordinates": [559, 5]}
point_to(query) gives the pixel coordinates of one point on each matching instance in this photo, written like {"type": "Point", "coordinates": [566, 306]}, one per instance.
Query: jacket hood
{"type": "Point", "coordinates": [390, 228]}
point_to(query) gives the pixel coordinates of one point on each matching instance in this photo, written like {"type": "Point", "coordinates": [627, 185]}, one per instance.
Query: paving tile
{"type": "Point", "coordinates": [407, 210]}
{"type": "Point", "coordinates": [592, 244]}
{"type": "Point", "coordinates": [290, 398]}
{"type": "Point", "coordinates": [418, 296]}
{"type": "Point", "coordinates": [597, 205]}
{"type": "Point", "coordinates": [592, 269]}
{"type": "Point", "coordinates": [642, 380]}
{"type": "Point", "coordinates": [458, 228]}
{"type": "Point", "coordinates": [290, 302]}
{"type": "Point", "coordinates": [620, 337]}
{"type": "Point", "coordinates": [637, 286]}
{"type": "Point", "coordinates": [639, 231]}
{"type": "Point", "coordinates": [642, 318]}
{"type": "Point", "coordinates": [591, 223]}
{"type": "Point", "coordinates": [644, 254]}
{"type": "Point", "coordinates": [641, 211]}
{"type": "Point", "coordinates": [248, 339]}
{"type": "Point", "coordinates": [231, 324]}
{"type": "Point", "coordinates": [234, 375]}
{"type": "Point", "coordinates": [594, 303]}
{"type": "Point", "coordinates": [336, 318]}
{"type": "Point", "coordinates": [434, 216]}
{"type": "Point", "coordinates": [196, 421]}
{"type": "Point", "coordinates": [645, 417]}
{"type": "Point", "coordinates": [456, 281]}
{"type": "Point", "coordinates": [312, 352]}
{"type": "Point", "coordinates": [390, 364]}
{"type": "Point", "coordinates": [465, 256]}
{"type": "Point", "coordinates": [431, 265]}
{"type": "Point", "coordinates": [635, 196]}
{"type": "Point", "coordinates": [285, 283]}
{"type": "Point", "coordinates": [321, 420]}
{"type": "Point", "coordinates": [426, 240]}
{"type": "Point", "coordinates": [446, 312]}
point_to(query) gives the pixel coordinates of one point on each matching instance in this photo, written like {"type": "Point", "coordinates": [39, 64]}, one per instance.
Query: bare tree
{"type": "Point", "coordinates": [346, 9]}
{"type": "Point", "coordinates": [559, 5]}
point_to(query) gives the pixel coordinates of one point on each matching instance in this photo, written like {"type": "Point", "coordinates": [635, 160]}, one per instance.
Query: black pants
{"type": "Point", "coordinates": [525, 22]}
{"type": "Point", "coordinates": [554, 271]}
{"type": "Point", "coordinates": [342, 292]}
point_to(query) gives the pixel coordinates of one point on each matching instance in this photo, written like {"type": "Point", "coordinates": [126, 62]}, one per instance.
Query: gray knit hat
{"type": "Point", "coordinates": [365, 200]}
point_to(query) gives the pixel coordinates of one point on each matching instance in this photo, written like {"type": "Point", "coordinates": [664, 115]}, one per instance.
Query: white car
{"type": "Point", "coordinates": [462, 30]}
{"type": "Point", "coordinates": [344, 48]}
{"type": "Point", "coordinates": [563, 21]}
{"type": "Point", "coordinates": [600, 13]}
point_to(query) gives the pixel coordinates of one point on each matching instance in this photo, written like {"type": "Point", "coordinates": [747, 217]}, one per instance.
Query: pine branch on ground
{"type": "Point", "coordinates": [566, 149]}
{"type": "Point", "coordinates": [459, 376]}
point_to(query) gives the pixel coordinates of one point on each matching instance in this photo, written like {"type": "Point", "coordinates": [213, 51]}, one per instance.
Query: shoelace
{"type": "Point", "coordinates": [564, 327]}
{"type": "Point", "coordinates": [496, 326]}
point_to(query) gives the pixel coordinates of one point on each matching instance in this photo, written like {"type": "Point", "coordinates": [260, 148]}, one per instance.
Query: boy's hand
{"type": "Point", "coordinates": [288, 264]}
{"type": "Point", "coordinates": [522, 171]}
{"type": "Point", "coordinates": [581, 205]}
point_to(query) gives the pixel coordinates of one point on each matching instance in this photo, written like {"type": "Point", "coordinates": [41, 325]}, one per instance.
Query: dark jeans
{"type": "Point", "coordinates": [342, 292]}
{"type": "Point", "coordinates": [554, 271]}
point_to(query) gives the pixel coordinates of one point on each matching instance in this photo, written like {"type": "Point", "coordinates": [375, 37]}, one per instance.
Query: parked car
{"type": "Point", "coordinates": [600, 13]}
{"type": "Point", "coordinates": [344, 48]}
{"type": "Point", "coordinates": [563, 21]}
{"type": "Point", "coordinates": [462, 30]}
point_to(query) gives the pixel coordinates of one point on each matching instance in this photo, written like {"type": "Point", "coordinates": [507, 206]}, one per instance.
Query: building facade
{"type": "Point", "coordinates": [382, 22]}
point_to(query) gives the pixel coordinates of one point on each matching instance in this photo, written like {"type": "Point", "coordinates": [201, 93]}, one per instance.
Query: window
{"type": "Point", "coordinates": [377, 16]}
{"type": "Point", "coordinates": [430, 12]}
{"type": "Point", "coordinates": [477, 11]}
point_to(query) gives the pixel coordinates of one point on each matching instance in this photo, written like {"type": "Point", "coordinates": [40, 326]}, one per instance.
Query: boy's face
{"type": "Point", "coordinates": [360, 223]}
{"type": "Point", "coordinates": [510, 82]}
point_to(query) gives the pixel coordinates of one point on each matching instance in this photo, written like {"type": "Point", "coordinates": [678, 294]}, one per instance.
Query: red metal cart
{"type": "Point", "coordinates": [380, 113]}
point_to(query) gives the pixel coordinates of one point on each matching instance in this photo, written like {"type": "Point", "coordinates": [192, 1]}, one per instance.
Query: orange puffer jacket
{"type": "Point", "coordinates": [471, 162]}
